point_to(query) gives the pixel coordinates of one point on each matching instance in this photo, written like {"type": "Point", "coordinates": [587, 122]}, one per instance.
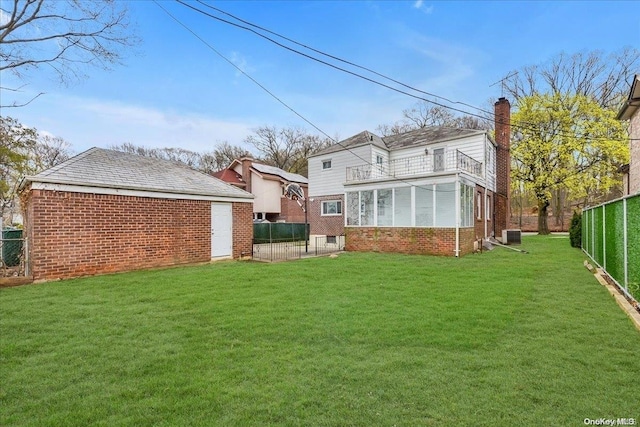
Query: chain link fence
{"type": "Point", "coordinates": [12, 253]}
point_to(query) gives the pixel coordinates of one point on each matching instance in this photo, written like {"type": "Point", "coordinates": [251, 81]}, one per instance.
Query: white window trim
{"type": "Point", "coordinates": [330, 214]}
{"type": "Point", "coordinates": [330, 164]}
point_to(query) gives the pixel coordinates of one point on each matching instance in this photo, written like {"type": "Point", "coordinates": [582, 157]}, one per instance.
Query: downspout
{"type": "Point", "coordinates": [457, 215]}
{"type": "Point", "coordinates": [484, 196]}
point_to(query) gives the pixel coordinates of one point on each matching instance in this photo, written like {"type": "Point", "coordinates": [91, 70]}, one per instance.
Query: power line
{"type": "Point", "coordinates": [217, 52]}
{"type": "Point", "coordinates": [338, 58]}
{"type": "Point", "coordinates": [521, 125]}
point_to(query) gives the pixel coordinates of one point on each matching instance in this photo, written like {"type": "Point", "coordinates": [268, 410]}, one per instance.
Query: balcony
{"type": "Point", "coordinates": [455, 161]}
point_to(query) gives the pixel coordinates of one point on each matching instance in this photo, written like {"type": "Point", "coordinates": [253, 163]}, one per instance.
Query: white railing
{"type": "Point", "coordinates": [414, 166]}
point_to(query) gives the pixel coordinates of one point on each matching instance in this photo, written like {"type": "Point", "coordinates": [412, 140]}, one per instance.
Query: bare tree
{"type": "Point", "coordinates": [286, 148]}
{"type": "Point", "coordinates": [48, 152]}
{"type": "Point", "coordinates": [62, 36]}
{"type": "Point", "coordinates": [221, 157]}
{"type": "Point", "coordinates": [594, 74]}
{"type": "Point", "coordinates": [424, 114]}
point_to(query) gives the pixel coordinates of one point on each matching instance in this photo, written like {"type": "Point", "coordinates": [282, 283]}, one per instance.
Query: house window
{"type": "Point", "coordinates": [379, 160]}
{"type": "Point", "coordinates": [385, 208]}
{"type": "Point", "coordinates": [488, 208]}
{"type": "Point", "coordinates": [331, 240]}
{"type": "Point", "coordinates": [479, 205]}
{"type": "Point", "coordinates": [466, 205]}
{"type": "Point", "coordinates": [402, 207]}
{"type": "Point", "coordinates": [445, 205]}
{"type": "Point", "coordinates": [438, 159]}
{"type": "Point", "coordinates": [353, 201]}
{"type": "Point", "coordinates": [326, 164]}
{"type": "Point", "coordinates": [366, 207]}
{"type": "Point", "coordinates": [424, 206]}
{"type": "Point", "coordinates": [332, 207]}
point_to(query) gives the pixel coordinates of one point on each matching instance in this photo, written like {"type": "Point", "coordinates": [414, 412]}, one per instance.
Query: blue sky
{"type": "Point", "coordinates": [176, 92]}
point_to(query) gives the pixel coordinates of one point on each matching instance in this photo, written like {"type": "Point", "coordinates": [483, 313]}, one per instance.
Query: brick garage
{"type": "Point", "coordinates": [77, 225]}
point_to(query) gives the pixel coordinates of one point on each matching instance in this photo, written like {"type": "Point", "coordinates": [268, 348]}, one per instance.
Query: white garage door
{"type": "Point", "coordinates": [221, 230]}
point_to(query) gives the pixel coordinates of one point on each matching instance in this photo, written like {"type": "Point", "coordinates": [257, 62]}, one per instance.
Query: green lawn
{"type": "Point", "coordinates": [501, 338]}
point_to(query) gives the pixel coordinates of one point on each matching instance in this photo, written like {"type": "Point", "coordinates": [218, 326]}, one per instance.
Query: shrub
{"type": "Point", "coordinates": [575, 230]}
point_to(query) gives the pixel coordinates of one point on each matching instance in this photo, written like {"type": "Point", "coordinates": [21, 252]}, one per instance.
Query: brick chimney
{"type": "Point", "coordinates": [503, 165]}
{"type": "Point", "coordinates": [246, 171]}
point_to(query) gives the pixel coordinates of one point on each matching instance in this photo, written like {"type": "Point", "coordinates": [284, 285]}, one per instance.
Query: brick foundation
{"type": "Point", "coordinates": [409, 240]}
{"type": "Point", "coordinates": [79, 234]}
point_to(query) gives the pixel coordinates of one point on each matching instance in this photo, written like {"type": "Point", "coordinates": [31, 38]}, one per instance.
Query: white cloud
{"type": "Point", "coordinates": [419, 4]}
{"type": "Point", "coordinates": [241, 62]}
{"type": "Point", "coordinates": [86, 123]}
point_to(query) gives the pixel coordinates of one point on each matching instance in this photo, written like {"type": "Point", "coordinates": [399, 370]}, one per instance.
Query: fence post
{"type": "Point", "coordinates": [625, 243]}
{"type": "Point", "coordinates": [604, 237]}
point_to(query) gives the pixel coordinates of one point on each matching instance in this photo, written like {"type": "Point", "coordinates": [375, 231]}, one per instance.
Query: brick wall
{"type": "Point", "coordinates": [503, 164]}
{"type": "Point", "coordinates": [242, 230]}
{"type": "Point", "coordinates": [409, 240]}
{"type": "Point", "coordinates": [290, 211]}
{"type": "Point", "coordinates": [325, 225]}
{"type": "Point", "coordinates": [78, 234]}
{"type": "Point", "coordinates": [529, 223]}
{"type": "Point", "coordinates": [480, 219]}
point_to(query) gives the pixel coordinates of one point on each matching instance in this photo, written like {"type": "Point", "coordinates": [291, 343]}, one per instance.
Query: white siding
{"type": "Point", "coordinates": [490, 165]}
{"type": "Point", "coordinates": [472, 146]}
{"type": "Point", "coordinates": [324, 182]}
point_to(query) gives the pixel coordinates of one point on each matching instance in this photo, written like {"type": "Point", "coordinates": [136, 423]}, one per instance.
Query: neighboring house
{"type": "Point", "coordinates": [429, 191]}
{"type": "Point", "coordinates": [105, 211]}
{"type": "Point", "coordinates": [631, 111]}
{"type": "Point", "coordinates": [267, 184]}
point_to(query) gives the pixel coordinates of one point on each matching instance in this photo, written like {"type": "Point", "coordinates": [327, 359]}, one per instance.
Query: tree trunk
{"type": "Point", "coordinates": [543, 227]}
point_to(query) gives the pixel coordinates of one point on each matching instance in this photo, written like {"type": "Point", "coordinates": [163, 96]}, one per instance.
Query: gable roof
{"type": "Point", "coordinates": [230, 176]}
{"type": "Point", "coordinates": [98, 167]}
{"type": "Point", "coordinates": [632, 104]}
{"type": "Point", "coordinates": [363, 138]}
{"type": "Point", "coordinates": [421, 136]}
{"type": "Point", "coordinates": [426, 136]}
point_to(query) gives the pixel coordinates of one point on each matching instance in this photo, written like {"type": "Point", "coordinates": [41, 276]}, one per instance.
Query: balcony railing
{"type": "Point", "coordinates": [417, 165]}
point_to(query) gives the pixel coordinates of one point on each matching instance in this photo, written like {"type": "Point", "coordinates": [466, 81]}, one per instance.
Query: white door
{"type": "Point", "coordinates": [221, 230]}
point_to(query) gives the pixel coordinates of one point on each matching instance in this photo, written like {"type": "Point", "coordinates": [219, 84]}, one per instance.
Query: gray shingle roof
{"type": "Point", "coordinates": [98, 167]}
{"type": "Point", "coordinates": [272, 170]}
{"type": "Point", "coordinates": [426, 135]}
{"type": "Point", "coordinates": [422, 136]}
{"type": "Point", "coordinates": [362, 138]}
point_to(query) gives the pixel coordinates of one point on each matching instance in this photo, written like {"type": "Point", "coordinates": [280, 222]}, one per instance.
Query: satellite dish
{"type": "Point", "coordinates": [293, 191]}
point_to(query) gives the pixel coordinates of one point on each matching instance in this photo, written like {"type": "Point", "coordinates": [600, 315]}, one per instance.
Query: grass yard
{"type": "Point", "coordinates": [500, 338]}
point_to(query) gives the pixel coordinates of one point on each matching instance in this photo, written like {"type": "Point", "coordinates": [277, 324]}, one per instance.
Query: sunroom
{"type": "Point", "coordinates": [422, 216]}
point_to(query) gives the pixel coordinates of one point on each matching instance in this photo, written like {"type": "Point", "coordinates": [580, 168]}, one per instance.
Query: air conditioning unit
{"type": "Point", "coordinates": [511, 237]}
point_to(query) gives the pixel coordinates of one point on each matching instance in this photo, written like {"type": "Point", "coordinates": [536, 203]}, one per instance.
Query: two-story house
{"type": "Point", "coordinates": [631, 111]}
{"type": "Point", "coordinates": [429, 191]}
{"type": "Point", "coordinates": [267, 184]}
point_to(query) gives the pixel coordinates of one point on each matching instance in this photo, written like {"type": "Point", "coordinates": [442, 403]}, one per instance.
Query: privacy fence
{"type": "Point", "coordinates": [611, 237]}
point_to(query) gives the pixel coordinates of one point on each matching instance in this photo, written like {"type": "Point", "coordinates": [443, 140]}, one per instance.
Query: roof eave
{"type": "Point", "coordinates": [44, 180]}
